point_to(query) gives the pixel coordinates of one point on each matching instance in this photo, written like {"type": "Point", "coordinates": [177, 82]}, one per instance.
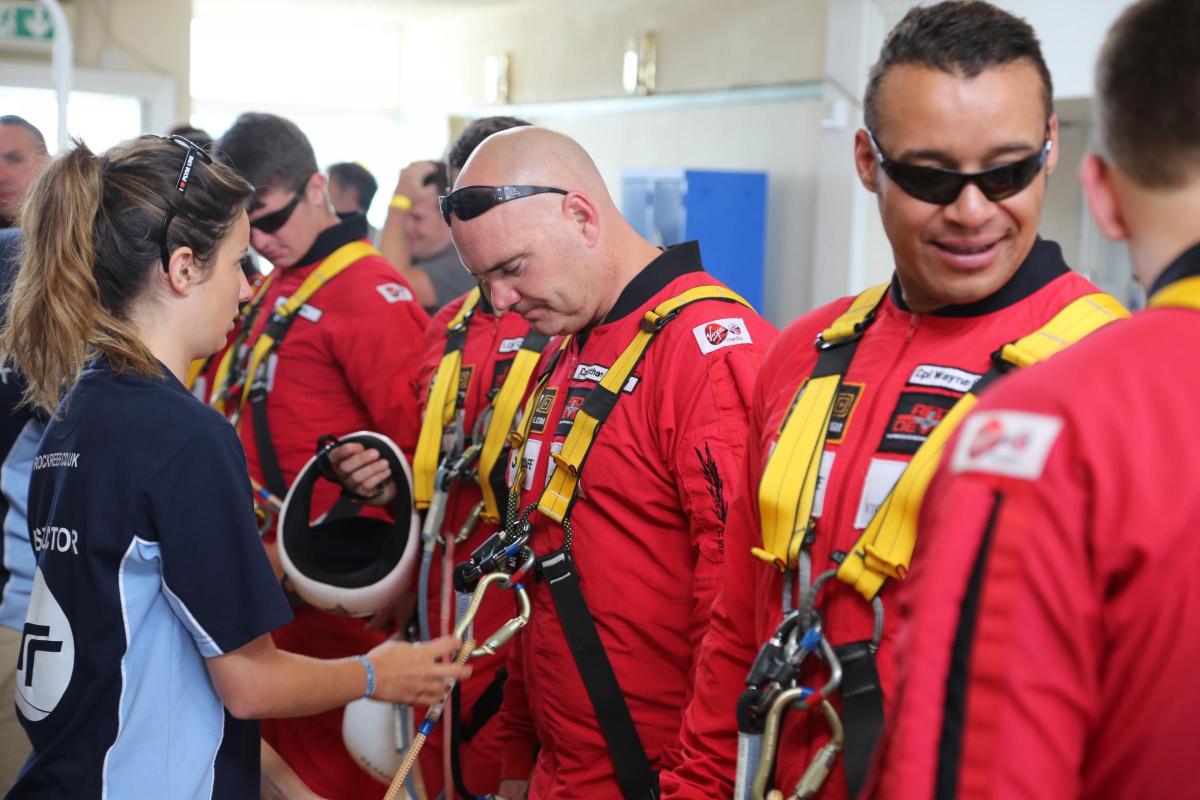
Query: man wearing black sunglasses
{"type": "Point", "coordinates": [346, 359]}
{"type": "Point", "coordinates": [1062, 574]}
{"type": "Point", "coordinates": [959, 140]}
{"type": "Point", "coordinates": [624, 466]}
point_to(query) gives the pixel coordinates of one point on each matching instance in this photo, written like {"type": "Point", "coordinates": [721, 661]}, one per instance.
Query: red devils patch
{"type": "Point", "coordinates": [915, 417]}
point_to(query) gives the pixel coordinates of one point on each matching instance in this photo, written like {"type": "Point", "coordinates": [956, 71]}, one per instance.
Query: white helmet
{"type": "Point", "coordinates": [375, 734]}
{"type": "Point", "coordinates": [351, 565]}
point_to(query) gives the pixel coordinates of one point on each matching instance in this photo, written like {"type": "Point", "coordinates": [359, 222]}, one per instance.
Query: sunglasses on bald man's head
{"type": "Point", "coordinates": [943, 186]}
{"type": "Point", "coordinates": [471, 201]}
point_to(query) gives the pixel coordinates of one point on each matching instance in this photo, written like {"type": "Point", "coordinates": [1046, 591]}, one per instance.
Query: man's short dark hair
{"type": "Point", "coordinates": [38, 139]}
{"type": "Point", "coordinates": [960, 37]}
{"type": "Point", "coordinates": [1148, 92]}
{"type": "Point", "coordinates": [473, 136]}
{"type": "Point", "coordinates": [269, 151]}
{"type": "Point", "coordinates": [358, 178]}
{"type": "Point", "coordinates": [438, 177]}
{"type": "Point", "coordinates": [197, 136]}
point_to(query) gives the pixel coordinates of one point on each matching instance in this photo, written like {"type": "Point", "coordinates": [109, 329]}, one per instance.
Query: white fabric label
{"type": "Point", "coordinates": [394, 292]}
{"type": "Point", "coordinates": [721, 333]}
{"type": "Point", "coordinates": [1013, 443]}
{"type": "Point", "coordinates": [594, 373]}
{"type": "Point", "coordinates": [555, 449]}
{"type": "Point", "coordinates": [822, 482]}
{"type": "Point", "coordinates": [510, 345]}
{"type": "Point", "coordinates": [310, 313]}
{"type": "Point", "coordinates": [955, 380]}
{"type": "Point", "coordinates": [881, 477]}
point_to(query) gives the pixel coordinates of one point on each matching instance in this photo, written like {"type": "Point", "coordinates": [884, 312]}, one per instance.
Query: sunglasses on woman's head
{"type": "Point", "coordinates": [943, 186]}
{"type": "Point", "coordinates": [193, 151]}
{"type": "Point", "coordinates": [471, 201]}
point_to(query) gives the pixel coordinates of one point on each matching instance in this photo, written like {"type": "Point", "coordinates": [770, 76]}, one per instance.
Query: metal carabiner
{"type": "Point", "coordinates": [808, 699]}
{"type": "Point", "coordinates": [505, 632]}
{"type": "Point", "coordinates": [822, 764]}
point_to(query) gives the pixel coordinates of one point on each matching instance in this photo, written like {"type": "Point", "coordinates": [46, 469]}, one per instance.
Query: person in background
{"type": "Point", "coordinates": [416, 239]}
{"type": "Point", "coordinates": [351, 189]}
{"type": "Point", "coordinates": [23, 153]}
{"type": "Point", "coordinates": [497, 354]}
{"type": "Point", "coordinates": [349, 360]}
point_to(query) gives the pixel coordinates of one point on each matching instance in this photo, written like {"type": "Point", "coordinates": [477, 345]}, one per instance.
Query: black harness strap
{"type": "Point", "coordinates": [630, 764]}
{"type": "Point", "coordinates": [862, 710]}
{"type": "Point", "coordinates": [486, 707]}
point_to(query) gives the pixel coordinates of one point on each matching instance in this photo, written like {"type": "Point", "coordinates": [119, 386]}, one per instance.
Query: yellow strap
{"type": "Point", "coordinates": [518, 438]}
{"type": "Point", "coordinates": [194, 370]}
{"type": "Point", "coordinates": [788, 488]}
{"type": "Point", "coordinates": [504, 409]}
{"type": "Point", "coordinates": [857, 314]}
{"type": "Point", "coordinates": [1183, 293]}
{"type": "Point", "coordinates": [223, 378]}
{"type": "Point", "coordinates": [337, 262]}
{"type": "Point", "coordinates": [440, 410]}
{"type": "Point", "coordinates": [885, 548]}
{"type": "Point", "coordinates": [560, 492]}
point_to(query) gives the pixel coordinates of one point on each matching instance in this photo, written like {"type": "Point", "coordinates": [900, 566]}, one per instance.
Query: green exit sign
{"type": "Point", "coordinates": [25, 22]}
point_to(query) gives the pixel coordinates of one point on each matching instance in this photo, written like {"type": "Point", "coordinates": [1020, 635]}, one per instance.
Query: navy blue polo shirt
{"type": "Point", "coordinates": [148, 562]}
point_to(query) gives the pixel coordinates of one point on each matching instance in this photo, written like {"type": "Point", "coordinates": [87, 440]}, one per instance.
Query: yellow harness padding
{"type": "Point", "coordinates": [885, 548]}
{"type": "Point", "coordinates": [194, 370]}
{"type": "Point", "coordinates": [559, 494]}
{"type": "Point", "coordinates": [788, 488]}
{"type": "Point", "coordinates": [337, 263]}
{"type": "Point", "coordinates": [504, 410]}
{"type": "Point", "coordinates": [443, 400]}
{"type": "Point", "coordinates": [221, 381]}
{"type": "Point", "coordinates": [1183, 293]}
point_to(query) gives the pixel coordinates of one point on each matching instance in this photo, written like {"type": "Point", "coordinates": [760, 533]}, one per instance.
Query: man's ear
{"type": "Point", "coordinates": [865, 162]}
{"type": "Point", "coordinates": [182, 270]}
{"type": "Point", "coordinates": [1105, 202]}
{"type": "Point", "coordinates": [581, 211]}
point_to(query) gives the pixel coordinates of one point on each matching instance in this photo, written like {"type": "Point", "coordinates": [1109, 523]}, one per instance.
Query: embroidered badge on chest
{"type": "Point", "coordinates": [915, 417]}
{"type": "Point", "coordinates": [844, 404]}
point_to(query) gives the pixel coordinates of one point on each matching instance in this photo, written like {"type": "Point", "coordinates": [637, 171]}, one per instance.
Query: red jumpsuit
{"type": "Point", "coordinates": [491, 345]}
{"type": "Point", "coordinates": [1050, 647]}
{"type": "Point", "coordinates": [649, 527]}
{"type": "Point", "coordinates": [349, 362]}
{"type": "Point", "coordinates": [908, 372]}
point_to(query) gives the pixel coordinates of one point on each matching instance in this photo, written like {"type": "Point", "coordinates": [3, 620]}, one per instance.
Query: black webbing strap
{"type": "Point", "coordinates": [486, 707]}
{"type": "Point", "coordinates": [862, 710]}
{"type": "Point", "coordinates": [267, 458]}
{"type": "Point", "coordinates": [629, 760]}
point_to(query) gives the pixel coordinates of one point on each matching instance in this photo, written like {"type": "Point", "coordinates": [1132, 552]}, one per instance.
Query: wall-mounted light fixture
{"type": "Point", "coordinates": [495, 78]}
{"type": "Point", "coordinates": [640, 67]}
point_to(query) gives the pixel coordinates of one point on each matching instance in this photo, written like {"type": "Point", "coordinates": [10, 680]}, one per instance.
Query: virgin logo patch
{"type": "Point", "coordinates": [721, 333]}
{"type": "Point", "coordinates": [1012, 443]}
{"type": "Point", "coordinates": [394, 292]}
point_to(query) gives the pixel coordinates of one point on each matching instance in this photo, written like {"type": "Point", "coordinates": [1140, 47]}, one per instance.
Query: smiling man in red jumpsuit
{"type": "Point", "coordinates": [1051, 648]}
{"type": "Point", "coordinates": [347, 361]}
{"type": "Point", "coordinates": [960, 139]}
{"type": "Point", "coordinates": [533, 220]}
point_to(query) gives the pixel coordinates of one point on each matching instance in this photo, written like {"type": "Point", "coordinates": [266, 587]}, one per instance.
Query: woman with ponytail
{"type": "Point", "coordinates": [145, 653]}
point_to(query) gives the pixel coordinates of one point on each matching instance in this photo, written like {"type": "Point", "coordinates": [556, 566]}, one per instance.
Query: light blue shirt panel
{"type": "Point", "coordinates": [19, 558]}
{"type": "Point", "coordinates": [172, 720]}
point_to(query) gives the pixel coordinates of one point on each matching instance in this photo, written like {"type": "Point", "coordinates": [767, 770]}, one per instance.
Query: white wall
{"type": "Point", "coordinates": [778, 138]}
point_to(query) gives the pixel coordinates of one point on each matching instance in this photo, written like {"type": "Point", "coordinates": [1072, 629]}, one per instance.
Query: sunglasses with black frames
{"type": "Point", "coordinates": [269, 223]}
{"type": "Point", "coordinates": [943, 186]}
{"type": "Point", "coordinates": [471, 201]}
{"type": "Point", "coordinates": [194, 151]}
